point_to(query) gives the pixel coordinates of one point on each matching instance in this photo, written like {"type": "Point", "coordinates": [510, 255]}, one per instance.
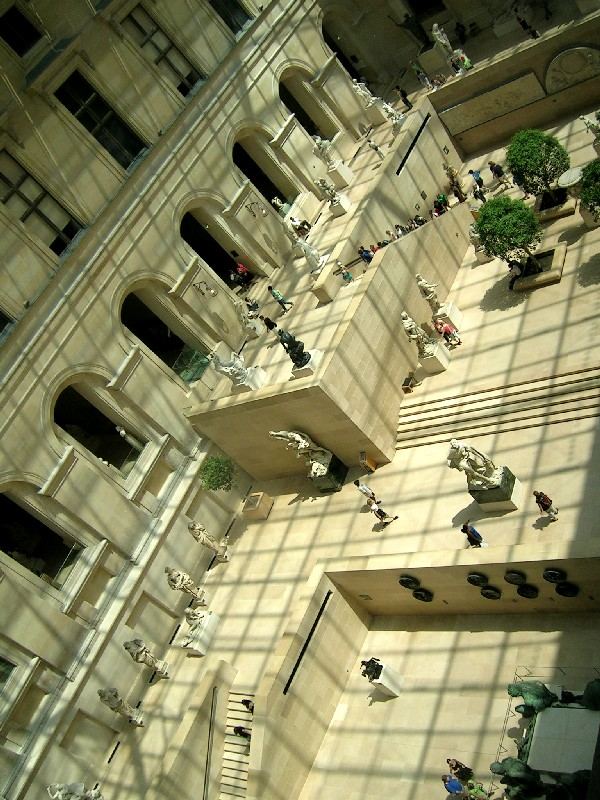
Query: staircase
{"type": "Point", "coordinates": [236, 751]}
{"type": "Point", "coordinates": [529, 404]}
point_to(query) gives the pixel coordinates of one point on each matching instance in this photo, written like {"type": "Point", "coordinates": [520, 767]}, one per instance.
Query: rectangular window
{"type": "Point", "coordinates": [6, 324]}
{"type": "Point", "coordinates": [93, 112]}
{"type": "Point", "coordinates": [6, 668]}
{"type": "Point", "coordinates": [41, 214]}
{"type": "Point", "coordinates": [233, 14]}
{"type": "Point", "coordinates": [161, 51]}
{"type": "Point", "coordinates": [18, 32]}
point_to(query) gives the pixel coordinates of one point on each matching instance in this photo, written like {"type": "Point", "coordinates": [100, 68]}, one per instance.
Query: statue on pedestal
{"type": "Point", "coordinates": [425, 344]}
{"type": "Point", "coordinates": [141, 654]}
{"type": "Point", "coordinates": [311, 254]}
{"type": "Point", "coordinates": [194, 619]}
{"type": "Point", "coordinates": [294, 348]}
{"type": "Point", "coordinates": [371, 669]}
{"type": "Point", "coordinates": [536, 696]}
{"type": "Point", "coordinates": [323, 150]}
{"type": "Point", "coordinates": [452, 174]}
{"type": "Point", "coordinates": [182, 582]}
{"type": "Point", "coordinates": [441, 39]}
{"type": "Point", "coordinates": [593, 127]}
{"type": "Point", "coordinates": [234, 368]}
{"type": "Point", "coordinates": [479, 468]}
{"type": "Point", "coordinates": [328, 189]}
{"type": "Point", "coordinates": [363, 92]}
{"type": "Point", "coordinates": [202, 536]}
{"type": "Point", "coordinates": [521, 781]}
{"type": "Point", "coordinates": [428, 291]}
{"type": "Point", "coordinates": [112, 699]}
{"type": "Point", "coordinates": [73, 791]}
{"type": "Point", "coordinates": [317, 458]}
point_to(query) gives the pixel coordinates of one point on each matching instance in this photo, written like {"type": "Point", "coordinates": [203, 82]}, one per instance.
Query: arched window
{"type": "Point", "coordinates": [33, 544]}
{"type": "Point", "coordinates": [233, 14]}
{"type": "Point", "coordinates": [96, 425]}
{"type": "Point", "coordinates": [164, 335]}
{"type": "Point", "coordinates": [255, 159]}
{"type": "Point", "coordinates": [333, 41]}
{"type": "Point", "coordinates": [199, 238]}
{"type": "Point", "coordinates": [297, 95]}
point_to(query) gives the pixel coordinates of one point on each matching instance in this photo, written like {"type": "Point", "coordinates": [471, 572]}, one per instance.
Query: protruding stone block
{"type": "Point", "coordinates": [198, 640]}
{"type": "Point", "coordinates": [375, 114]}
{"type": "Point", "coordinates": [316, 357]}
{"type": "Point", "coordinates": [341, 206]}
{"type": "Point", "coordinates": [258, 505]}
{"type": "Point", "coordinates": [437, 362]}
{"type": "Point", "coordinates": [257, 377]}
{"type": "Point", "coordinates": [340, 175]}
{"type": "Point", "coordinates": [388, 682]}
{"type": "Point", "coordinates": [504, 497]}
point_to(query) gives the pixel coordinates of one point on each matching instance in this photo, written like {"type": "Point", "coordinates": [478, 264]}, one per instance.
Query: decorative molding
{"type": "Point", "coordinates": [60, 473]}
{"type": "Point", "coordinates": [185, 280]}
{"type": "Point", "coordinates": [143, 467]}
{"type": "Point", "coordinates": [125, 369]}
{"type": "Point", "coordinates": [284, 132]}
{"type": "Point", "coordinates": [328, 67]}
{"type": "Point", "coordinates": [572, 66]}
{"type": "Point", "coordinates": [244, 194]}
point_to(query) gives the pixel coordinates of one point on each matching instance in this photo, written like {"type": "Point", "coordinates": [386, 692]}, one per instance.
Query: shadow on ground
{"type": "Point", "coordinates": [500, 298]}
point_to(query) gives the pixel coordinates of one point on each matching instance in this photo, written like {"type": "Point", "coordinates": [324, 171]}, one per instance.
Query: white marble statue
{"type": "Point", "coordinates": [323, 150]}
{"type": "Point", "coordinates": [593, 127]}
{"type": "Point", "coordinates": [202, 536]}
{"type": "Point", "coordinates": [112, 699]}
{"type": "Point", "coordinates": [428, 291]}
{"type": "Point", "coordinates": [235, 368]}
{"type": "Point", "coordinates": [425, 344]}
{"type": "Point", "coordinates": [194, 618]}
{"type": "Point", "coordinates": [311, 254]}
{"type": "Point", "coordinates": [441, 38]}
{"type": "Point", "coordinates": [328, 189]}
{"type": "Point", "coordinates": [479, 468]}
{"type": "Point", "coordinates": [316, 457]}
{"type": "Point", "coordinates": [140, 653]}
{"type": "Point", "coordinates": [182, 582]}
{"type": "Point", "coordinates": [452, 174]}
{"type": "Point", "coordinates": [73, 791]}
{"type": "Point", "coordinates": [277, 202]}
{"type": "Point", "coordinates": [363, 92]}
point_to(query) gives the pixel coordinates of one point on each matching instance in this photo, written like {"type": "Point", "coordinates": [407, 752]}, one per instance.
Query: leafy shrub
{"type": "Point", "coordinates": [217, 472]}
{"type": "Point", "coordinates": [508, 229]}
{"type": "Point", "coordinates": [536, 159]}
{"type": "Point", "coordinates": [590, 188]}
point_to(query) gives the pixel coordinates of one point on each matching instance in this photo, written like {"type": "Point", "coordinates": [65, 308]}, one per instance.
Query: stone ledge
{"type": "Point", "coordinates": [556, 212]}
{"type": "Point", "coordinates": [548, 276]}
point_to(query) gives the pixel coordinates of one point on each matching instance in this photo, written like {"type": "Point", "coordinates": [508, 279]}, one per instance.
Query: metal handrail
{"type": "Point", "coordinates": [209, 747]}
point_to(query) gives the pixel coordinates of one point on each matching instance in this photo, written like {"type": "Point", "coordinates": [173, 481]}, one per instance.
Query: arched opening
{"type": "Point", "coordinates": [260, 166]}
{"type": "Point", "coordinates": [196, 232]}
{"type": "Point", "coordinates": [233, 14]}
{"type": "Point", "coordinates": [168, 339]}
{"type": "Point", "coordinates": [34, 545]}
{"type": "Point", "coordinates": [332, 40]}
{"type": "Point", "coordinates": [98, 427]}
{"type": "Point", "coordinates": [298, 97]}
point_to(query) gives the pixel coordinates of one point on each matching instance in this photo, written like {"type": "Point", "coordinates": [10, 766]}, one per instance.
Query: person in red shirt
{"type": "Point", "coordinates": [448, 331]}
{"type": "Point", "coordinates": [244, 273]}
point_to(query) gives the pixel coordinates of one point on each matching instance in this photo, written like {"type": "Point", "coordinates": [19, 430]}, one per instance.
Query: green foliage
{"type": "Point", "coordinates": [217, 472]}
{"type": "Point", "coordinates": [536, 160]}
{"type": "Point", "coordinates": [508, 228]}
{"type": "Point", "coordinates": [590, 188]}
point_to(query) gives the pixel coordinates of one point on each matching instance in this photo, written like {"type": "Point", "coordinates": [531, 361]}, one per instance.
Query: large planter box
{"type": "Point", "coordinates": [548, 276]}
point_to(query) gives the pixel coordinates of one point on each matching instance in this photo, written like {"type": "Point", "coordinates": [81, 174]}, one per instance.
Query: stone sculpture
{"type": "Point", "coordinates": [371, 669]}
{"type": "Point", "coordinates": [202, 536]}
{"type": "Point", "coordinates": [328, 189]}
{"type": "Point", "coordinates": [521, 781]}
{"type": "Point", "coordinates": [294, 348]}
{"type": "Point", "coordinates": [73, 791]}
{"type": "Point", "coordinates": [112, 699]}
{"type": "Point", "coordinates": [323, 149]}
{"type": "Point", "coordinates": [428, 292]}
{"type": "Point", "coordinates": [141, 654]}
{"type": "Point", "coordinates": [182, 582]}
{"type": "Point", "coordinates": [317, 458]}
{"type": "Point", "coordinates": [194, 618]}
{"type": "Point", "coordinates": [474, 237]}
{"type": "Point", "coordinates": [536, 696]}
{"type": "Point", "coordinates": [234, 368]}
{"type": "Point", "coordinates": [452, 174]}
{"type": "Point", "coordinates": [311, 254]}
{"type": "Point", "coordinates": [593, 127]}
{"type": "Point", "coordinates": [441, 39]}
{"type": "Point", "coordinates": [363, 92]}
{"type": "Point", "coordinates": [479, 468]}
{"type": "Point", "coordinates": [425, 344]}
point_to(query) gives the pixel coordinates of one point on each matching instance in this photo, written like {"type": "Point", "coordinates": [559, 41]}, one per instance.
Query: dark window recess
{"type": "Point", "coordinates": [27, 200]}
{"type": "Point", "coordinates": [159, 49]}
{"type": "Point", "coordinates": [17, 31]}
{"type": "Point", "coordinates": [294, 107]}
{"type": "Point", "coordinates": [96, 432]}
{"type": "Point", "coordinates": [34, 545]}
{"type": "Point", "coordinates": [346, 62]}
{"type": "Point", "coordinates": [187, 362]}
{"type": "Point", "coordinates": [6, 668]}
{"type": "Point", "coordinates": [93, 112]}
{"type": "Point", "coordinates": [200, 240]}
{"type": "Point", "coordinates": [6, 324]}
{"type": "Point", "coordinates": [244, 161]}
{"type": "Point", "coordinates": [233, 14]}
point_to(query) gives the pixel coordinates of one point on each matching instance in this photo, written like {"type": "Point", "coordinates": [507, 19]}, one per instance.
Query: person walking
{"type": "Point", "coordinates": [269, 324]}
{"type": "Point", "coordinates": [476, 175]}
{"type": "Point", "coordinates": [381, 515]}
{"type": "Point", "coordinates": [404, 97]}
{"type": "Point", "coordinates": [243, 732]}
{"type": "Point", "coordinates": [366, 255]}
{"type": "Point", "coordinates": [365, 490]}
{"type": "Point", "coordinates": [276, 295]}
{"type": "Point", "coordinates": [474, 538]}
{"type": "Point", "coordinates": [545, 505]}
{"type": "Point", "coordinates": [453, 785]}
{"type": "Point", "coordinates": [375, 147]}
{"type": "Point", "coordinates": [499, 174]}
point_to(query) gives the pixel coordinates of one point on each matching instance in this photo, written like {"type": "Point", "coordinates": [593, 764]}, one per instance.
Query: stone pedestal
{"type": "Point", "coordinates": [340, 175]}
{"type": "Point", "coordinates": [388, 682]}
{"type": "Point", "coordinates": [254, 328]}
{"type": "Point", "coordinates": [202, 637]}
{"type": "Point", "coordinates": [316, 357]}
{"type": "Point", "coordinates": [437, 362]}
{"type": "Point", "coordinates": [451, 314]}
{"type": "Point", "coordinates": [482, 257]}
{"type": "Point", "coordinates": [257, 377]}
{"type": "Point", "coordinates": [333, 480]}
{"type": "Point", "coordinates": [305, 206]}
{"type": "Point", "coordinates": [258, 505]}
{"type": "Point", "coordinates": [341, 206]}
{"type": "Point", "coordinates": [375, 115]}
{"type": "Point", "coordinates": [504, 497]}
{"type": "Point", "coordinates": [136, 719]}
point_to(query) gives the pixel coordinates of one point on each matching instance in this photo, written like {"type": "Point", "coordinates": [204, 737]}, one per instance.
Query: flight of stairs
{"type": "Point", "coordinates": [236, 751]}
{"type": "Point", "coordinates": [528, 404]}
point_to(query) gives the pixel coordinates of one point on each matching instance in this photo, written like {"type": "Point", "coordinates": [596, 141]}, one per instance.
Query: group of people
{"type": "Point", "coordinates": [374, 505]}
{"type": "Point", "coordinates": [543, 502]}
{"type": "Point", "coordinates": [459, 781]}
{"type": "Point", "coordinates": [240, 730]}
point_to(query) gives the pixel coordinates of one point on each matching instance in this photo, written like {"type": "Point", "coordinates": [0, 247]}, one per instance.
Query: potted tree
{"type": "Point", "coordinates": [217, 472]}
{"type": "Point", "coordinates": [536, 160]}
{"type": "Point", "coordinates": [589, 197]}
